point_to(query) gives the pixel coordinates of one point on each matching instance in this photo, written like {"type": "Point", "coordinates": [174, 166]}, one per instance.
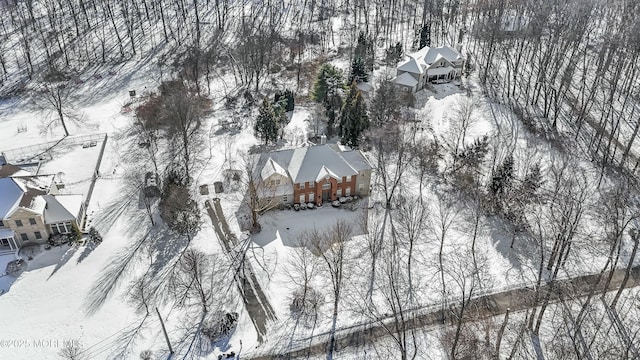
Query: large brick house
{"type": "Point", "coordinates": [428, 64]}
{"type": "Point", "coordinates": [31, 209]}
{"type": "Point", "coordinates": [313, 174]}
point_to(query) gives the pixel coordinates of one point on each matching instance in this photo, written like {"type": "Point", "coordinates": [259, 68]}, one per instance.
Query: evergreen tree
{"type": "Point", "coordinates": [328, 80]}
{"type": "Point", "coordinates": [358, 71]}
{"type": "Point", "coordinates": [286, 98]}
{"type": "Point", "coordinates": [425, 35]}
{"type": "Point", "coordinates": [385, 106]}
{"type": "Point", "coordinates": [267, 125]}
{"type": "Point", "coordinates": [327, 90]}
{"type": "Point", "coordinates": [353, 118]}
{"type": "Point", "coordinates": [365, 51]}
{"type": "Point", "coordinates": [394, 54]}
{"type": "Point", "coordinates": [501, 180]}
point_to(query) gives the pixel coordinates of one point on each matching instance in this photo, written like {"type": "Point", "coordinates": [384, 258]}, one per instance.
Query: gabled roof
{"type": "Point", "coordinates": [406, 79]}
{"type": "Point", "coordinates": [61, 208]}
{"type": "Point", "coordinates": [318, 156]}
{"type": "Point", "coordinates": [325, 173]}
{"type": "Point", "coordinates": [426, 56]}
{"type": "Point", "coordinates": [314, 163]}
{"type": "Point", "coordinates": [357, 160]}
{"type": "Point", "coordinates": [438, 59]}
{"type": "Point", "coordinates": [271, 167]}
{"type": "Point", "coordinates": [447, 52]}
{"type": "Point", "coordinates": [10, 196]}
{"type": "Point", "coordinates": [411, 65]}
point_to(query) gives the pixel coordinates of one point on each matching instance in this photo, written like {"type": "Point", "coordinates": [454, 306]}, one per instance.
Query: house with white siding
{"type": "Point", "coordinates": [429, 64]}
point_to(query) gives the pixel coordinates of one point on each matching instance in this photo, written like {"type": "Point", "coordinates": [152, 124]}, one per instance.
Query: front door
{"type": "Point", "coordinates": [326, 195]}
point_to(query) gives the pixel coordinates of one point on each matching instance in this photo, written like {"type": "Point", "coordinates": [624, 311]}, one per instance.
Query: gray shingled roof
{"type": "Point", "coordinates": [306, 163]}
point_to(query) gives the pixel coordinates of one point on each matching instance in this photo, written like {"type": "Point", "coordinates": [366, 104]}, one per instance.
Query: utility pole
{"type": "Point", "coordinates": [164, 330]}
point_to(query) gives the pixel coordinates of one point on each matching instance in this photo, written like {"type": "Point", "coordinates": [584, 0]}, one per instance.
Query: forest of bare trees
{"type": "Point", "coordinates": [568, 70]}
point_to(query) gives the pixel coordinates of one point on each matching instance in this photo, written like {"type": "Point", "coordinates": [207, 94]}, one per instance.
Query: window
{"type": "Point", "coordinates": [311, 197]}
{"type": "Point", "coordinates": [312, 183]}
{"type": "Point", "coordinates": [19, 223]}
{"type": "Point", "coordinates": [24, 237]}
{"type": "Point", "coordinates": [301, 198]}
{"type": "Point", "coordinates": [4, 242]}
{"type": "Point", "coordinates": [38, 235]}
{"type": "Point", "coordinates": [326, 186]}
{"type": "Point", "coordinates": [339, 192]}
{"type": "Point", "coordinates": [32, 221]}
{"type": "Point", "coordinates": [275, 182]}
{"type": "Point", "coordinates": [284, 198]}
{"type": "Point", "coordinates": [302, 185]}
{"type": "Point", "coordinates": [61, 228]}
{"type": "Point", "coordinates": [347, 191]}
{"type": "Point", "coordinates": [1, 223]}
{"type": "Point", "coordinates": [348, 178]}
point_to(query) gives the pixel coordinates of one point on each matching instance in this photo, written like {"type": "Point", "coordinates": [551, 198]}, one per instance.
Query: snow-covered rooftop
{"type": "Point", "coordinates": [61, 208]}
{"type": "Point", "coordinates": [10, 196]}
{"type": "Point", "coordinates": [272, 167]}
{"type": "Point", "coordinates": [423, 58]}
{"type": "Point", "coordinates": [306, 163]}
{"type": "Point", "coordinates": [411, 65]}
{"type": "Point", "coordinates": [6, 233]}
{"type": "Point", "coordinates": [406, 79]}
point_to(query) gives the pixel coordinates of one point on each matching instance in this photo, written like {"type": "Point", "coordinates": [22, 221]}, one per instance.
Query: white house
{"type": "Point", "coordinates": [31, 210]}
{"type": "Point", "coordinates": [429, 64]}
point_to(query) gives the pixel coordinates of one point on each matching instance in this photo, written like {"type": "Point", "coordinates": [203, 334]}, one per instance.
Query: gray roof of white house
{"type": "Point", "coordinates": [6, 234]}
{"type": "Point", "coordinates": [307, 163]}
{"type": "Point", "coordinates": [406, 79]}
{"type": "Point", "coordinates": [61, 208]}
{"type": "Point", "coordinates": [423, 58]}
{"type": "Point", "coordinates": [10, 196]}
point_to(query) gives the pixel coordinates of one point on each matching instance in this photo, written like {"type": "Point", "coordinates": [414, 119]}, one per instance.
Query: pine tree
{"type": "Point", "coordinates": [267, 125]}
{"type": "Point", "coordinates": [358, 71]}
{"type": "Point", "coordinates": [394, 54]}
{"type": "Point", "coordinates": [327, 90]}
{"type": "Point", "coordinates": [353, 118]}
{"type": "Point", "coordinates": [365, 51]}
{"type": "Point", "coordinates": [287, 97]}
{"type": "Point", "coordinates": [501, 180]}
{"type": "Point", "coordinates": [328, 80]}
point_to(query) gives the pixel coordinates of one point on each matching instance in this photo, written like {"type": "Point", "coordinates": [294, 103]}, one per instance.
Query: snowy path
{"type": "Point", "coordinates": [256, 303]}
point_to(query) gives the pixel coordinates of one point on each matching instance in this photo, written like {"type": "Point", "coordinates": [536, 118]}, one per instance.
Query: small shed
{"type": "Point", "coordinates": [218, 187]}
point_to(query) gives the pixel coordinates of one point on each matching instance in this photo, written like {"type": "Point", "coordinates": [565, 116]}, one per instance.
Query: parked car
{"type": "Point", "coordinates": [296, 207]}
{"type": "Point", "coordinates": [336, 203]}
{"type": "Point", "coordinates": [303, 206]}
{"type": "Point", "coordinates": [310, 206]}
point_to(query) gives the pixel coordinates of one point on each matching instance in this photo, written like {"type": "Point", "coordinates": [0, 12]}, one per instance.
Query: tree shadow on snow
{"type": "Point", "coordinates": [524, 249]}
{"type": "Point", "coordinates": [65, 259]}
{"type": "Point", "coordinates": [88, 249]}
